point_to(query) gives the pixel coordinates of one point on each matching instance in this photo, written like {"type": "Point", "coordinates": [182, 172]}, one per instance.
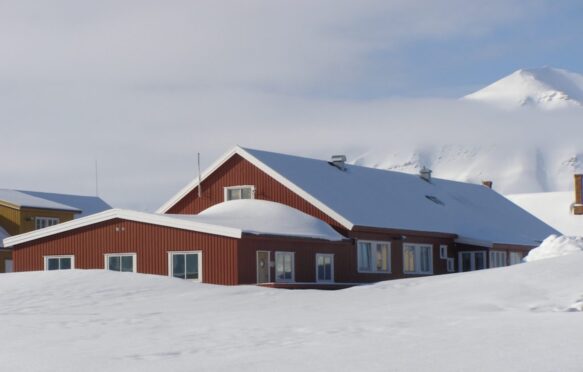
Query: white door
{"type": "Point", "coordinates": [8, 266]}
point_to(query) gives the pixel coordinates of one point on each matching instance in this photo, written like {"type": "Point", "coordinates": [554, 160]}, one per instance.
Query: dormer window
{"type": "Point", "coordinates": [239, 192]}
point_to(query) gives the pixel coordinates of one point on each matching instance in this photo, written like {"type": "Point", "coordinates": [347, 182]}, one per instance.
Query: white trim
{"type": "Point", "coordinates": [46, 260]}
{"type": "Point", "coordinates": [373, 267]}
{"type": "Point", "coordinates": [293, 264]}
{"type": "Point", "coordinates": [227, 188]}
{"type": "Point", "coordinates": [171, 268]}
{"type": "Point", "coordinates": [331, 255]}
{"type": "Point", "coordinates": [417, 260]}
{"type": "Point", "coordinates": [450, 265]}
{"type": "Point", "coordinates": [49, 221]}
{"type": "Point", "coordinates": [131, 254]}
{"type": "Point", "coordinates": [257, 268]}
{"type": "Point", "coordinates": [493, 253]}
{"type": "Point", "coordinates": [269, 171]}
{"type": "Point", "coordinates": [443, 251]}
{"type": "Point", "coordinates": [155, 219]}
{"type": "Point", "coordinates": [473, 262]}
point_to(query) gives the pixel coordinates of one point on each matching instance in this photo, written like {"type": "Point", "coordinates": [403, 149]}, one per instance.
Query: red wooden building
{"type": "Point", "coordinates": [300, 222]}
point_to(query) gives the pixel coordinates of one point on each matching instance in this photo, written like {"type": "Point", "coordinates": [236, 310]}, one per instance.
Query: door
{"type": "Point", "coordinates": [470, 261]}
{"type": "Point", "coordinates": [263, 267]}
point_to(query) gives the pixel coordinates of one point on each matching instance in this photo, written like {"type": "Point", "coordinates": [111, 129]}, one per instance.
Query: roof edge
{"type": "Point", "coordinates": [160, 220]}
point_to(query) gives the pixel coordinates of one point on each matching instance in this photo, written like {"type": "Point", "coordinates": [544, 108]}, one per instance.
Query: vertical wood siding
{"type": "Point", "coordinates": [10, 219]}
{"type": "Point", "coordinates": [151, 243]}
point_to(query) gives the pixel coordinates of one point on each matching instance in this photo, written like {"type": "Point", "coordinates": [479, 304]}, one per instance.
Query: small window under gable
{"type": "Point", "coordinates": [239, 192]}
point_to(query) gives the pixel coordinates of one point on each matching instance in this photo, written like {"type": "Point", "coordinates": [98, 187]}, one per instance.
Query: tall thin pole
{"type": "Point", "coordinates": [96, 179]}
{"type": "Point", "coordinates": [199, 185]}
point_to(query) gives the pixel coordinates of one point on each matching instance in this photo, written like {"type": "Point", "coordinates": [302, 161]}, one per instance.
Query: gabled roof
{"type": "Point", "coordinates": [230, 219]}
{"type": "Point", "coordinates": [22, 199]}
{"type": "Point", "coordinates": [369, 197]}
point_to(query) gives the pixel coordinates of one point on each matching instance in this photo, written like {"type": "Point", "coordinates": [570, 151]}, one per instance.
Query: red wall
{"type": "Point", "coordinates": [150, 242]}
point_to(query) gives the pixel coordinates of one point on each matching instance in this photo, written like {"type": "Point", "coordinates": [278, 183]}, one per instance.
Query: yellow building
{"type": "Point", "coordinates": [24, 211]}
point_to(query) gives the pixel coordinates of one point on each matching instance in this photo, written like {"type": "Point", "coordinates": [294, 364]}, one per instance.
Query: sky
{"type": "Point", "coordinates": [139, 87]}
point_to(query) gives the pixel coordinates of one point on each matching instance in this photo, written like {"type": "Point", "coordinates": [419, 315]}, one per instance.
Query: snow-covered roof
{"type": "Point", "coordinates": [231, 219]}
{"type": "Point", "coordinates": [22, 199]}
{"type": "Point", "coordinates": [80, 204]}
{"type": "Point", "coordinates": [86, 204]}
{"type": "Point", "coordinates": [362, 196]}
{"type": "Point", "coordinates": [554, 208]}
{"type": "Point", "coordinates": [3, 235]}
{"type": "Point", "coordinates": [265, 218]}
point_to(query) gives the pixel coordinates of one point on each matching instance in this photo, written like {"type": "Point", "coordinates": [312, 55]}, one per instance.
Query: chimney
{"type": "Point", "coordinates": [488, 184]}
{"type": "Point", "coordinates": [578, 205]}
{"type": "Point", "coordinates": [425, 174]}
{"type": "Point", "coordinates": [339, 161]}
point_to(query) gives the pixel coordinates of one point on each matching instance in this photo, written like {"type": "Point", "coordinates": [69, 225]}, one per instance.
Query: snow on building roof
{"type": "Point", "coordinates": [86, 204]}
{"type": "Point", "coordinates": [554, 208]}
{"type": "Point", "coordinates": [3, 235]}
{"type": "Point", "coordinates": [361, 196]}
{"type": "Point", "coordinates": [22, 199]}
{"type": "Point", "coordinates": [231, 219]}
{"type": "Point", "coordinates": [266, 218]}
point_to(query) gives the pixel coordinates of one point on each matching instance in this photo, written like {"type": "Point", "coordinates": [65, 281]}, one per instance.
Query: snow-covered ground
{"type": "Point", "coordinates": [521, 318]}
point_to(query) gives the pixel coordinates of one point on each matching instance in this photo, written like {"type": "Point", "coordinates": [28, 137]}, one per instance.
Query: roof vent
{"type": "Point", "coordinates": [425, 174]}
{"type": "Point", "coordinates": [488, 184]}
{"type": "Point", "coordinates": [339, 161]}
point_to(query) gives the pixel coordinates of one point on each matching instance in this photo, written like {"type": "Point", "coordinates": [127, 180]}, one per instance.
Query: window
{"type": "Point", "coordinates": [471, 260]}
{"type": "Point", "coordinates": [417, 259]}
{"type": "Point", "coordinates": [497, 259]}
{"type": "Point", "coordinates": [42, 222]}
{"type": "Point", "coordinates": [284, 267]}
{"type": "Point", "coordinates": [443, 251]}
{"type": "Point", "coordinates": [450, 265]}
{"type": "Point", "coordinates": [125, 262]}
{"type": "Point", "coordinates": [239, 192]}
{"type": "Point", "coordinates": [374, 256]}
{"type": "Point", "coordinates": [59, 262]}
{"type": "Point", "coordinates": [515, 258]}
{"type": "Point", "coordinates": [185, 265]}
{"type": "Point", "coordinates": [324, 267]}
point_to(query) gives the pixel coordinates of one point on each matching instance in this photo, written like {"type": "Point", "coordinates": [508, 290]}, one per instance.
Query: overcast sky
{"type": "Point", "coordinates": [141, 86]}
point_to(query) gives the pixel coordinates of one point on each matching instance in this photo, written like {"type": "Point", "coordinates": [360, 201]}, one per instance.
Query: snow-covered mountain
{"type": "Point", "coordinates": [546, 88]}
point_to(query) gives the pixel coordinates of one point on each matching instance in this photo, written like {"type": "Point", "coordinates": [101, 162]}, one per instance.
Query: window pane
{"type": "Point", "coordinates": [246, 193]}
{"type": "Point", "coordinates": [480, 260]}
{"type": "Point", "coordinates": [233, 194]}
{"type": "Point", "coordinates": [279, 267]}
{"type": "Point", "coordinates": [321, 272]}
{"type": "Point", "coordinates": [364, 256]}
{"type": "Point", "coordinates": [178, 266]}
{"type": "Point", "coordinates": [53, 264]}
{"type": "Point", "coordinates": [127, 263]}
{"type": "Point", "coordinates": [192, 266]}
{"type": "Point", "coordinates": [382, 259]}
{"type": "Point", "coordinates": [328, 269]}
{"type": "Point", "coordinates": [425, 258]}
{"type": "Point", "coordinates": [409, 259]}
{"type": "Point", "coordinates": [288, 266]}
{"type": "Point", "coordinates": [466, 261]}
{"type": "Point", "coordinates": [65, 263]}
{"type": "Point", "coordinates": [114, 263]}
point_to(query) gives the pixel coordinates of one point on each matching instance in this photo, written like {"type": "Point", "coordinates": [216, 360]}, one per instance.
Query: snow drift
{"type": "Point", "coordinates": [556, 246]}
{"type": "Point", "coordinates": [519, 318]}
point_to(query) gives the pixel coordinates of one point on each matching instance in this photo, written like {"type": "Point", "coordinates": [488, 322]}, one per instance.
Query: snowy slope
{"type": "Point", "coordinates": [554, 208]}
{"type": "Point", "coordinates": [546, 88]}
{"type": "Point", "coordinates": [521, 318]}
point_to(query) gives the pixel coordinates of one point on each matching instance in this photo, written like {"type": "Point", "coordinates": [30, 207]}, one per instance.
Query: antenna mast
{"type": "Point", "coordinates": [198, 163]}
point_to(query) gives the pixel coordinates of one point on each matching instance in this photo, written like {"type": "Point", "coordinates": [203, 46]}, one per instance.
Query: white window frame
{"type": "Point", "coordinates": [293, 264]}
{"type": "Point", "coordinates": [46, 261]}
{"type": "Point", "coordinates": [133, 254]}
{"type": "Point", "coordinates": [450, 265]}
{"type": "Point", "coordinates": [372, 257]}
{"type": "Point", "coordinates": [510, 262]}
{"type": "Point", "coordinates": [49, 221]}
{"type": "Point", "coordinates": [417, 260]}
{"type": "Point", "coordinates": [493, 254]}
{"type": "Point", "coordinates": [226, 191]}
{"type": "Point", "coordinates": [171, 268]}
{"type": "Point", "coordinates": [473, 266]}
{"type": "Point", "coordinates": [331, 255]}
{"type": "Point", "coordinates": [443, 251]}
